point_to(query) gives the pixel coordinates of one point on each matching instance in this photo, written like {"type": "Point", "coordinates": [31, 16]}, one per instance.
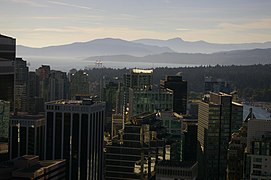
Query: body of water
{"type": "Point", "coordinates": [65, 64]}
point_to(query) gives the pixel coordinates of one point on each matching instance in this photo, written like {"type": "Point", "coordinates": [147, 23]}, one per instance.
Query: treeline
{"type": "Point", "coordinates": [252, 82]}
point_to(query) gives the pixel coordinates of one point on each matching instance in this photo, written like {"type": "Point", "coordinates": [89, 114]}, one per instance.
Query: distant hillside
{"type": "Point", "coordinates": [96, 47]}
{"type": "Point", "coordinates": [181, 46]}
{"type": "Point", "coordinates": [237, 57]}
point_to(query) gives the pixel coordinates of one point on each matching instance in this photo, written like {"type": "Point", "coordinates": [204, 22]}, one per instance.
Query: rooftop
{"type": "Point", "coordinates": [3, 36]}
{"type": "Point", "coordinates": [39, 165]}
{"type": "Point", "coordinates": [179, 164]}
{"type": "Point", "coordinates": [144, 71]}
{"type": "Point", "coordinates": [72, 102]}
{"type": "Point", "coordinates": [26, 116]}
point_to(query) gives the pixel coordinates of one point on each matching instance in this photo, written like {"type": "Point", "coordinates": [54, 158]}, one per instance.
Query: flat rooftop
{"type": "Point", "coordinates": [39, 165]}
{"type": "Point", "coordinates": [72, 102]}
{"type": "Point", "coordinates": [26, 116]}
{"type": "Point", "coordinates": [176, 164]}
{"type": "Point", "coordinates": [143, 71]}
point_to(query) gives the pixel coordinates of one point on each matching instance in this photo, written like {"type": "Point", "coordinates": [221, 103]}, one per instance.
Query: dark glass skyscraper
{"type": "Point", "coordinates": [179, 88]}
{"type": "Point", "coordinates": [218, 118]}
{"type": "Point", "coordinates": [74, 131]}
{"type": "Point", "coordinates": [21, 85]}
{"type": "Point", "coordinates": [7, 70]}
{"type": "Point", "coordinates": [27, 135]}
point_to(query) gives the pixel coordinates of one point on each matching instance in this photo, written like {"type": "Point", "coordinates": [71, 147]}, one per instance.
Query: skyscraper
{"type": "Point", "coordinates": [74, 131]}
{"type": "Point", "coordinates": [218, 118]}
{"type": "Point", "coordinates": [179, 88]}
{"type": "Point", "coordinates": [57, 86]}
{"type": "Point", "coordinates": [27, 135]}
{"type": "Point", "coordinates": [139, 79]}
{"type": "Point", "coordinates": [258, 154]}
{"type": "Point", "coordinates": [137, 150]}
{"type": "Point", "coordinates": [4, 130]}
{"type": "Point", "coordinates": [79, 84]}
{"type": "Point", "coordinates": [43, 74]}
{"type": "Point", "coordinates": [4, 120]}
{"type": "Point", "coordinates": [7, 69]}
{"type": "Point", "coordinates": [21, 85]}
{"type": "Point", "coordinates": [141, 101]}
{"type": "Point", "coordinates": [35, 103]}
{"type": "Point", "coordinates": [216, 85]}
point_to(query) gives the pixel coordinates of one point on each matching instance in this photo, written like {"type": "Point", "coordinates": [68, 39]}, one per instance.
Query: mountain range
{"type": "Point", "coordinates": [172, 51]}
{"type": "Point", "coordinates": [97, 47]}
{"type": "Point", "coordinates": [236, 57]}
{"type": "Point", "coordinates": [181, 46]}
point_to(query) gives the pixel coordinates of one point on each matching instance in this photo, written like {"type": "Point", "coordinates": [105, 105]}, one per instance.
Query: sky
{"type": "Point", "coordinates": [40, 23]}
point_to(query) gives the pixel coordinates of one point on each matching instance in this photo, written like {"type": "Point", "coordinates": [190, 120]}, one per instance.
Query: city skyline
{"type": "Point", "coordinates": [55, 22]}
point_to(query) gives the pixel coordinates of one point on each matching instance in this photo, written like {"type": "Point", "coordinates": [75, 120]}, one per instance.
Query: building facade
{"type": "Point", "coordinates": [79, 84]}
{"type": "Point", "coordinates": [176, 170]}
{"type": "Point", "coordinates": [7, 69]}
{"type": "Point", "coordinates": [218, 118]}
{"type": "Point", "coordinates": [134, 154]}
{"type": "Point", "coordinates": [27, 133]}
{"type": "Point", "coordinates": [58, 87]}
{"type": "Point", "coordinates": [21, 85]}
{"type": "Point", "coordinates": [30, 167]}
{"type": "Point", "coordinates": [258, 151]}
{"type": "Point", "coordinates": [141, 101]}
{"type": "Point", "coordinates": [4, 120]}
{"type": "Point", "coordinates": [74, 131]}
{"type": "Point", "coordinates": [179, 88]}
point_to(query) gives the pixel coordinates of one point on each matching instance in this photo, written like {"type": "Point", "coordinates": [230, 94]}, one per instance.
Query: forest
{"type": "Point", "coordinates": [252, 82]}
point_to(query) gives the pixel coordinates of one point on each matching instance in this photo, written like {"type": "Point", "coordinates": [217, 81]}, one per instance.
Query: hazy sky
{"type": "Point", "coordinates": [41, 23]}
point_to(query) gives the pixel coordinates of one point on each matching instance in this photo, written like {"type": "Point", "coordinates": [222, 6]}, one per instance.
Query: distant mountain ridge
{"type": "Point", "coordinates": [237, 57]}
{"type": "Point", "coordinates": [122, 53]}
{"type": "Point", "coordinates": [181, 46]}
{"type": "Point", "coordinates": [97, 47]}
{"type": "Point", "coordinates": [141, 47]}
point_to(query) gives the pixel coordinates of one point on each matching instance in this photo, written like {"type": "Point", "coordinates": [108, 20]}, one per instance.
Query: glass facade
{"type": "Point", "coordinates": [82, 139]}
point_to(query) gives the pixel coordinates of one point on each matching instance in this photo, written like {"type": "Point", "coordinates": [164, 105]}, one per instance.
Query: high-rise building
{"type": "Point", "coordinates": [43, 74]}
{"type": "Point", "coordinates": [4, 130]}
{"type": "Point", "coordinates": [236, 150]}
{"type": "Point", "coordinates": [7, 69]}
{"type": "Point", "coordinates": [74, 131]}
{"type": "Point", "coordinates": [109, 95]}
{"type": "Point", "coordinates": [134, 154]}
{"type": "Point", "coordinates": [139, 79]}
{"type": "Point", "coordinates": [218, 118]}
{"type": "Point", "coordinates": [79, 84]}
{"type": "Point", "coordinates": [216, 85]}
{"type": "Point", "coordinates": [190, 142]}
{"type": "Point", "coordinates": [154, 100]}
{"type": "Point", "coordinates": [117, 124]}
{"type": "Point", "coordinates": [29, 167]}
{"type": "Point", "coordinates": [4, 120]}
{"type": "Point", "coordinates": [27, 133]}
{"type": "Point", "coordinates": [8, 48]}
{"type": "Point", "coordinates": [258, 154]}
{"type": "Point", "coordinates": [58, 87]}
{"type": "Point", "coordinates": [173, 124]}
{"type": "Point", "coordinates": [172, 170]}
{"type": "Point", "coordinates": [120, 96]}
{"type": "Point", "coordinates": [35, 103]}
{"type": "Point", "coordinates": [179, 88]}
{"type": "Point", "coordinates": [21, 85]}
